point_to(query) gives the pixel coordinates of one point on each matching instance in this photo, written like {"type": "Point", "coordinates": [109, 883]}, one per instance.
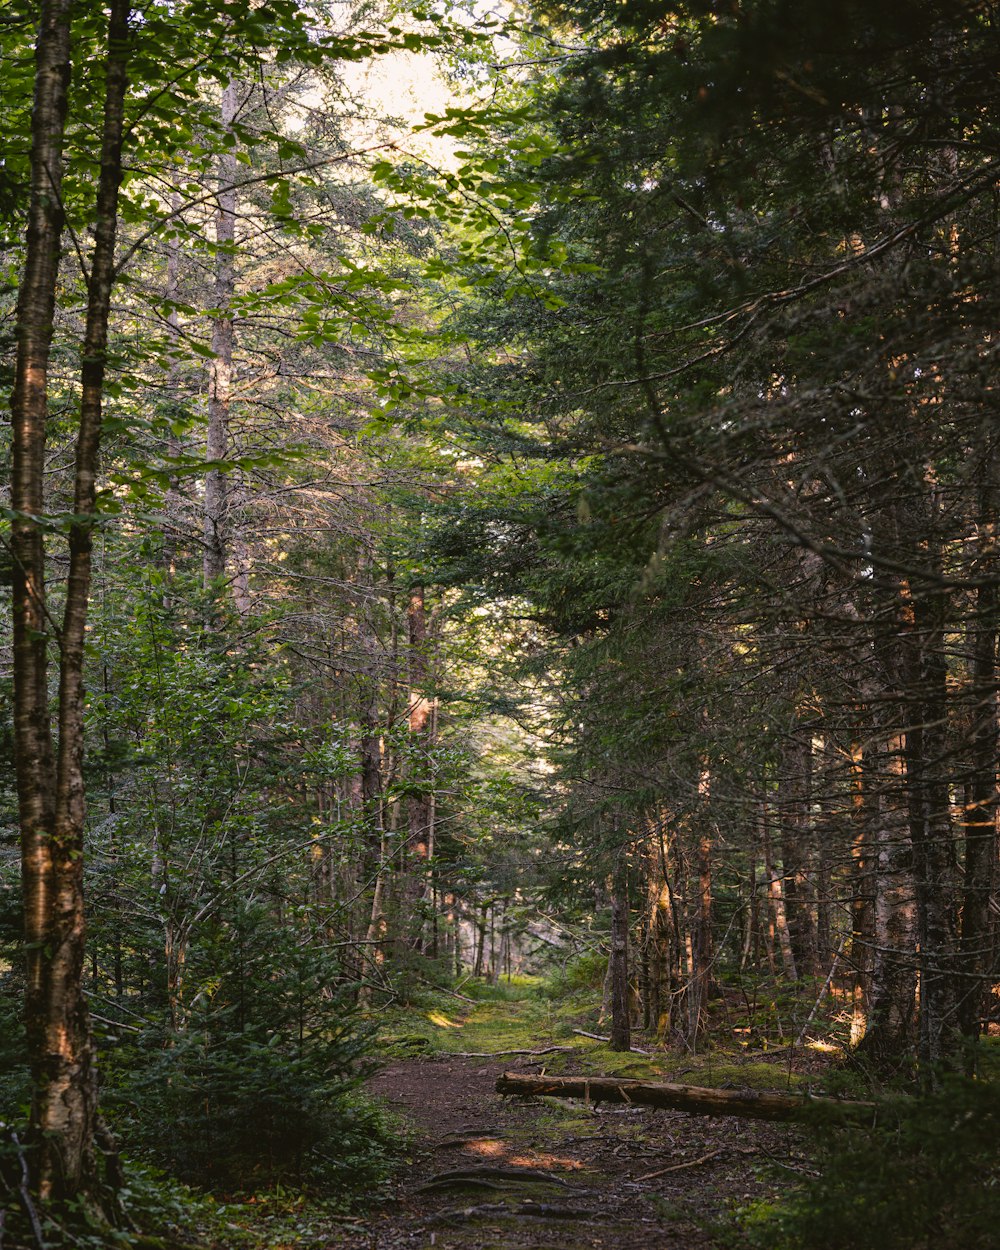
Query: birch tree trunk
{"type": "Point", "coordinates": [777, 896]}
{"type": "Point", "coordinates": [220, 375]}
{"type": "Point", "coordinates": [64, 1119]}
{"type": "Point", "coordinates": [419, 813]}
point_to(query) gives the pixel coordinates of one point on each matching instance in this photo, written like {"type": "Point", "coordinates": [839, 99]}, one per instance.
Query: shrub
{"type": "Point", "coordinates": [581, 973]}
{"type": "Point", "coordinates": [925, 1176]}
{"type": "Point", "coordinates": [239, 1111]}
{"type": "Point", "coordinates": [259, 1082]}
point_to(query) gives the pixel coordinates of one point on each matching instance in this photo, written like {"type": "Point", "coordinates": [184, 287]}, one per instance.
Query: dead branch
{"type": "Point", "coordinates": [597, 1037]}
{"type": "Point", "coordinates": [679, 1167]}
{"type": "Point", "coordinates": [497, 1054]}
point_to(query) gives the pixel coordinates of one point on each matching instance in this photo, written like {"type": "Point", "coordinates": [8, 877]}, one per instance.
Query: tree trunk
{"type": "Point", "coordinates": [173, 501]}
{"type": "Point", "coordinates": [702, 955]}
{"type": "Point", "coordinates": [798, 885]}
{"type": "Point", "coordinates": [418, 805]}
{"type": "Point", "coordinates": [888, 1032]}
{"type": "Point", "coordinates": [220, 376]}
{"type": "Point", "coordinates": [777, 897]}
{"type": "Point", "coordinates": [50, 790]}
{"type": "Point", "coordinates": [863, 803]}
{"type": "Point", "coordinates": [480, 922]}
{"type": "Point", "coordinates": [934, 859]}
{"type": "Point", "coordinates": [982, 806]}
{"type": "Point", "coordinates": [621, 1025]}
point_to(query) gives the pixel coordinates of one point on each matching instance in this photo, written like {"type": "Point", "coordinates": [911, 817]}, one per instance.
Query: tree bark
{"type": "Point", "coordinates": [934, 858]}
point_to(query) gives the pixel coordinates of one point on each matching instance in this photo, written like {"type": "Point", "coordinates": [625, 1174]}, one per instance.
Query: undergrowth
{"type": "Point", "coordinates": [927, 1175]}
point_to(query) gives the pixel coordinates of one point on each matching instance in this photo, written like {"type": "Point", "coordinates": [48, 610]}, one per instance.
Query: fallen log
{"type": "Point", "coordinates": [749, 1104]}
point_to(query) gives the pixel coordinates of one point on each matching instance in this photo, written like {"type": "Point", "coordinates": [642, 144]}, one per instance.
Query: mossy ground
{"type": "Point", "coordinates": [524, 1014]}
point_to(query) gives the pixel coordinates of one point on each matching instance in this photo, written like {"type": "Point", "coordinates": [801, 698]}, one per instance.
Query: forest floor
{"type": "Point", "coordinates": [493, 1173]}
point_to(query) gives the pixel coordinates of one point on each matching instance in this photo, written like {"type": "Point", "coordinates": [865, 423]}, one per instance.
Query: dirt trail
{"type": "Point", "coordinates": [560, 1175]}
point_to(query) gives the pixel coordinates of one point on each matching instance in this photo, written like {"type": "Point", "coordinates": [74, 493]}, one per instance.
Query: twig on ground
{"type": "Point", "coordinates": [496, 1054]}
{"type": "Point", "coordinates": [678, 1167]}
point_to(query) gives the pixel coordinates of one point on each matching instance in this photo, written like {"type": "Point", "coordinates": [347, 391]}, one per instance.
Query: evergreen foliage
{"type": "Point", "coordinates": [924, 1176]}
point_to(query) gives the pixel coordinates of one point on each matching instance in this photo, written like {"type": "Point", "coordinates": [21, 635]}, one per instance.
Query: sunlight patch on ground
{"type": "Point", "coordinates": [496, 1148]}
{"type": "Point", "coordinates": [545, 1161]}
{"type": "Point", "coordinates": [442, 1021]}
{"type": "Point", "coordinates": [488, 1147]}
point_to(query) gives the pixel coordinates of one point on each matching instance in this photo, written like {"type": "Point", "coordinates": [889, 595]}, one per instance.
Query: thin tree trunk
{"type": "Point", "coordinates": [981, 806]}
{"type": "Point", "coordinates": [702, 954]}
{"type": "Point", "coordinates": [798, 885]}
{"type": "Point", "coordinates": [888, 1032]}
{"type": "Point", "coordinates": [750, 929]}
{"type": "Point", "coordinates": [934, 860]}
{"type": "Point", "coordinates": [831, 815]}
{"type": "Point", "coordinates": [621, 1031]}
{"type": "Point", "coordinates": [777, 897]}
{"type": "Point", "coordinates": [418, 808]}
{"type": "Point", "coordinates": [480, 939]}
{"type": "Point", "coordinates": [173, 503]}
{"type": "Point", "coordinates": [220, 377]}
{"type": "Point", "coordinates": [862, 895]}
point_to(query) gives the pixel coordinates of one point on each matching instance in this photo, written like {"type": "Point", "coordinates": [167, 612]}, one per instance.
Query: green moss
{"type": "Point", "coordinates": [744, 1076]}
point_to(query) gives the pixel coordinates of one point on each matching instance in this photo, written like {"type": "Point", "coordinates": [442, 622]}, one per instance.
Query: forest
{"type": "Point", "coordinates": [500, 562]}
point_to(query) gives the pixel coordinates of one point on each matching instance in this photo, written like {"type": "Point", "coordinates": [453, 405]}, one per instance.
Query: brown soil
{"type": "Point", "coordinates": [561, 1176]}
